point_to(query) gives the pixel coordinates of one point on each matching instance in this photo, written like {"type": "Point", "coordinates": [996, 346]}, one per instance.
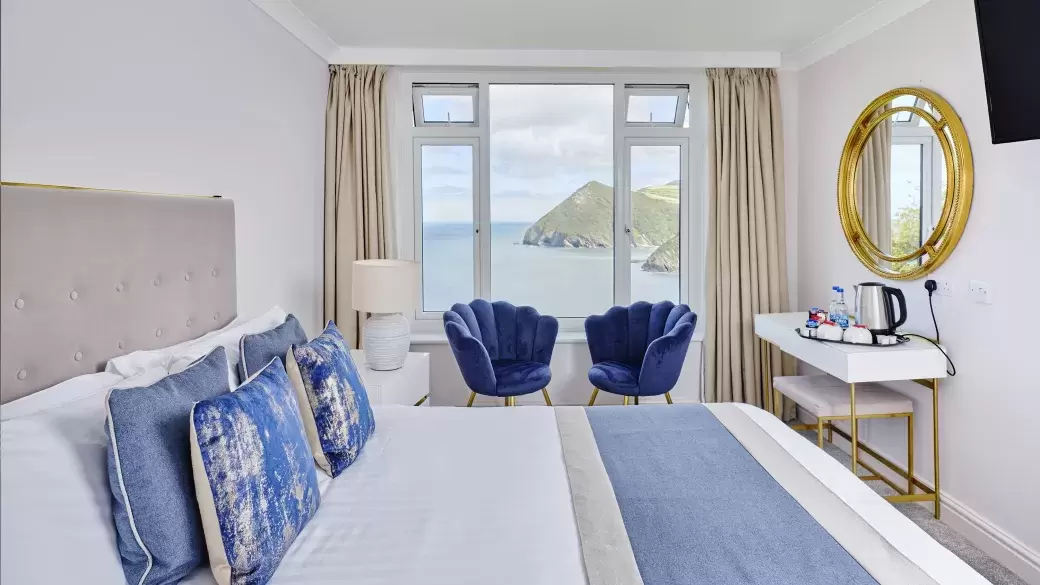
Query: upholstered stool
{"type": "Point", "coordinates": [827, 398]}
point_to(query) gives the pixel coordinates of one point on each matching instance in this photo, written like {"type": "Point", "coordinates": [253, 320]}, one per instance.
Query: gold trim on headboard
{"type": "Point", "coordinates": [79, 188]}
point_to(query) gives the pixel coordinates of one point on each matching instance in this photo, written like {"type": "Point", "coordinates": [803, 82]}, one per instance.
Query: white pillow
{"type": "Point", "coordinates": [178, 357]}
{"type": "Point", "coordinates": [55, 494]}
{"type": "Point", "coordinates": [62, 393]}
{"type": "Point", "coordinates": [138, 361]}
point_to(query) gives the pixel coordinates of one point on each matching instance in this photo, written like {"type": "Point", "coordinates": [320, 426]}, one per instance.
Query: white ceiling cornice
{"type": "Point", "coordinates": [862, 25]}
{"type": "Point", "coordinates": [292, 19]}
{"type": "Point", "coordinates": [554, 58]}
{"type": "Point", "coordinates": [285, 13]}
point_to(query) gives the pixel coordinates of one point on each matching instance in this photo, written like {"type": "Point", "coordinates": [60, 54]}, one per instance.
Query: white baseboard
{"type": "Point", "coordinates": [989, 537]}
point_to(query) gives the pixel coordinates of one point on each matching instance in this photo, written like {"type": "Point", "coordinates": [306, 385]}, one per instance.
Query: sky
{"type": "Point", "coordinates": [546, 142]}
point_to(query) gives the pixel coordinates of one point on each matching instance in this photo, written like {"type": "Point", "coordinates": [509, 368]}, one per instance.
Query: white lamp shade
{"type": "Point", "coordinates": [385, 286]}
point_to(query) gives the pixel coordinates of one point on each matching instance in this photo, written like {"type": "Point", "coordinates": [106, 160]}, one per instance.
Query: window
{"type": "Point", "coordinates": [446, 183]}
{"type": "Point", "coordinates": [655, 105]}
{"type": "Point", "coordinates": [552, 203]}
{"type": "Point", "coordinates": [527, 199]}
{"type": "Point", "coordinates": [445, 105]}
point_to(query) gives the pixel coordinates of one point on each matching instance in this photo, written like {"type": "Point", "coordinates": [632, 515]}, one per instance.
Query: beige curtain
{"type": "Point", "coordinates": [747, 240]}
{"type": "Point", "coordinates": [358, 209]}
{"type": "Point", "coordinates": [874, 186]}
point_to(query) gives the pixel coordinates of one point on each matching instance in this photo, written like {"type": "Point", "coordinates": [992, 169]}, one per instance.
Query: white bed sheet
{"type": "Point", "coordinates": [445, 496]}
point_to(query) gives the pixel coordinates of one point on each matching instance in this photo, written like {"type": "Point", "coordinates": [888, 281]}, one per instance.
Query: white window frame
{"type": "Point", "coordinates": [623, 209]}
{"type": "Point", "coordinates": [932, 196]}
{"type": "Point", "coordinates": [681, 94]}
{"type": "Point", "coordinates": [418, 91]}
{"type": "Point", "coordinates": [417, 143]}
{"type": "Point", "coordinates": [694, 182]}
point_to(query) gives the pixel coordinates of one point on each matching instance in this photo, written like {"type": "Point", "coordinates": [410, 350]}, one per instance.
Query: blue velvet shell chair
{"type": "Point", "coordinates": [639, 350]}
{"type": "Point", "coordinates": [502, 350]}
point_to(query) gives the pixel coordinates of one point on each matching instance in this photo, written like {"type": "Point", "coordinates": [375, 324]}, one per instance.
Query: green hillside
{"type": "Point", "coordinates": [585, 218]}
{"type": "Point", "coordinates": [665, 258]}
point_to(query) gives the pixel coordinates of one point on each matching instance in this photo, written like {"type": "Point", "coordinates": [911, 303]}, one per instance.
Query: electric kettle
{"type": "Point", "coordinates": [875, 307]}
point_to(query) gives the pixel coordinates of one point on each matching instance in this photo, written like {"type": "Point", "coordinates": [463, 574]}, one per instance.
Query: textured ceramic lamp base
{"type": "Point", "coordinates": [386, 340]}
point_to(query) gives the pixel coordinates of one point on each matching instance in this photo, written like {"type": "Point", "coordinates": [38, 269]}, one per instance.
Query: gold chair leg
{"type": "Point", "coordinates": [830, 432]}
{"type": "Point", "coordinates": [625, 402]}
{"type": "Point", "coordinates": [910, 453]}
{"type": "Point", "coordinates": [819, 432]}
{"type": "Point", "coordinates": [510, 400]}
{"type": "Point", "coordinates": [637, 401]}
{"type": "Point", "coordinates": [592, 400]}
{"type": "Point", "coordinates": [668, 397]}
{"type": "Point", "coordinates": [545, 394]}
{"type": "Point", "coordinates": [472, 395]}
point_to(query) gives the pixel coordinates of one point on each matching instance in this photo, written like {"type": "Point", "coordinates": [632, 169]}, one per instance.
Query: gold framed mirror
{"type": "Point", "coordinates": [905, 183]}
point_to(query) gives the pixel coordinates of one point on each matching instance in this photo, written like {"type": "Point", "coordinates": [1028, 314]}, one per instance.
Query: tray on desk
{"type": "Point", "coordinates": [900, 339]}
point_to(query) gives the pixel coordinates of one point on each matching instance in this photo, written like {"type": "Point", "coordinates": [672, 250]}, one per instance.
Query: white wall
{"type": "Point", "coordinates": [185, 96]}
{"type": "Point", "coordinates": [988, 412]}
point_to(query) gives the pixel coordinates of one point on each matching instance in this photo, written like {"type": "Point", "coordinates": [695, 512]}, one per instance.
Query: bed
{"type": "Point", "coordinates": [567, 495]}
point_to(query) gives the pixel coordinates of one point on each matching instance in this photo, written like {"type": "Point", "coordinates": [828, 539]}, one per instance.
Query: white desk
{"type": "Point", "coordinates": [917, 360]}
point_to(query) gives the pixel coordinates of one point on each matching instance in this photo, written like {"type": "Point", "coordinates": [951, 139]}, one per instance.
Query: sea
{"type": "Point", "coordinates": [563, 282]}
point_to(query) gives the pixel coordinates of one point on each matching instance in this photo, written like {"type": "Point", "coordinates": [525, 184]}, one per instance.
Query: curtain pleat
{"type": "Point", "coordinates": [747, 240]}
{"type": "Point", "coordinates": [874, 185]}
{"type": "Point", "coordinates": [358, 196]}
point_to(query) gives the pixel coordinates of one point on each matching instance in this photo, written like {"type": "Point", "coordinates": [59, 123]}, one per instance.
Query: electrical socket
{"type": "Point", "coordinates": [943, 288]}
{"type": "Point", "coordinates": [981, 292]}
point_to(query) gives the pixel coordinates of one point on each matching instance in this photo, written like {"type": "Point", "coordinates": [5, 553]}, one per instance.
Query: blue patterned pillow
{"type": "Point", "coordinates": [254, 476]}
{"type": "Point", "coordinates": [158, 529]}
{"type": "Point", "coordinates": [339, 420]}
{"type": "Point", "coordinates": [256, 349]}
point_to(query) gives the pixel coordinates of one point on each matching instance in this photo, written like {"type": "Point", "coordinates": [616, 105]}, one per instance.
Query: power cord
{"type": "Point", "coordinates": [931, 286]}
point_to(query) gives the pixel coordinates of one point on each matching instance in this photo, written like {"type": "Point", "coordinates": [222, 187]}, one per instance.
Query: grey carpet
{"type": "Point", "coordinates": [921, 515]}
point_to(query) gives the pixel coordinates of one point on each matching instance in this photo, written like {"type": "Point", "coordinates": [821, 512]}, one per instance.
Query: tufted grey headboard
{"type": "Point", "coordinates": [88, 275]}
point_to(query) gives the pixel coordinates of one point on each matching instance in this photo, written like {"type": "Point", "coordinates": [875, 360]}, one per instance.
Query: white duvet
{"type": "Point", "coordinates": [446, 496]}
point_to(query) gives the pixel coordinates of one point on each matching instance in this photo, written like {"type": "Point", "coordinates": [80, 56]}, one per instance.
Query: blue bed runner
{"type": "Point", "coordinates": [699, 509]}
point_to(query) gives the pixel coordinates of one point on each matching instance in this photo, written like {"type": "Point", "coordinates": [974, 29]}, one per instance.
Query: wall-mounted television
{"type": "Point", "coordinates": [1009, 33]}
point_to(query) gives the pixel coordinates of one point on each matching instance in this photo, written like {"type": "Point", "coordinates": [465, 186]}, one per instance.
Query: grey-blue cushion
{"type": "Point", "coordinates": [257, 349]}
{"type": "Point", "coordinates": [158, 528]}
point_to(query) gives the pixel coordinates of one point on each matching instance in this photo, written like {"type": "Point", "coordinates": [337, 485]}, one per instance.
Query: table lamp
{"type": "Point", "coordinates": [385, 289]}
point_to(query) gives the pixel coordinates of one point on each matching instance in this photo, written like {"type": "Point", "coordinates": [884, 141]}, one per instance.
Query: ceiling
{"type": "Point", "coordinates": [652, 25]}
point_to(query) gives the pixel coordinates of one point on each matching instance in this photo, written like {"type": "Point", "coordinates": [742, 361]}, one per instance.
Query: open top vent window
{"type": "Point", "coordinates": [445, 104]}
{"type": "Point", "coordinates": [656, 105]}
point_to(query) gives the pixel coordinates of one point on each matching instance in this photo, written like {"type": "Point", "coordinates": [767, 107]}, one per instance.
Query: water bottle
{"type": "Point", "coordinates": [840, 307]}
{"type": "Point", "coordinates": [832, 307]}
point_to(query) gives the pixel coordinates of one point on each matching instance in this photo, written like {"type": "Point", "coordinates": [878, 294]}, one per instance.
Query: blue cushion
{"type": "Point", "coordinates": [149, 470]}
{"type": "Point", "coordinates": [339, 420]}
{"type": "Point", "coordinates": [515, 378]}
{"type": "Point", "coordinates": [254, 474]}
{"type": "Point", "coordinates": [615, 377]}
{"type": "Point", "coordinates": [256, 350]}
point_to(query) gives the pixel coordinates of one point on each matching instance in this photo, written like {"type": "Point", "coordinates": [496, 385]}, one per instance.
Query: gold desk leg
{"type": "Point", "coordinates": [830, 432]}
{"type": "Point", "coordinates": [668, 397]}
{"type": "Point", "coordinates": [625, 401]}
{"type": "Point", "coordinates": [768, 397]}
{"type": "Point", "coordinates": [855, 434]}
{"type": "Point", "coordinates": [545, 394]}
{"type": "Point", "coordinates": [910, 453]}
{"type": "Point", "coordinates": [592, 400]}
{"type": "Point", "coordinates": [935, 441]}
{"type": "Point", "coordinates": [472, 395]}
{"type": "Point", "coordinates": [819, 432]}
